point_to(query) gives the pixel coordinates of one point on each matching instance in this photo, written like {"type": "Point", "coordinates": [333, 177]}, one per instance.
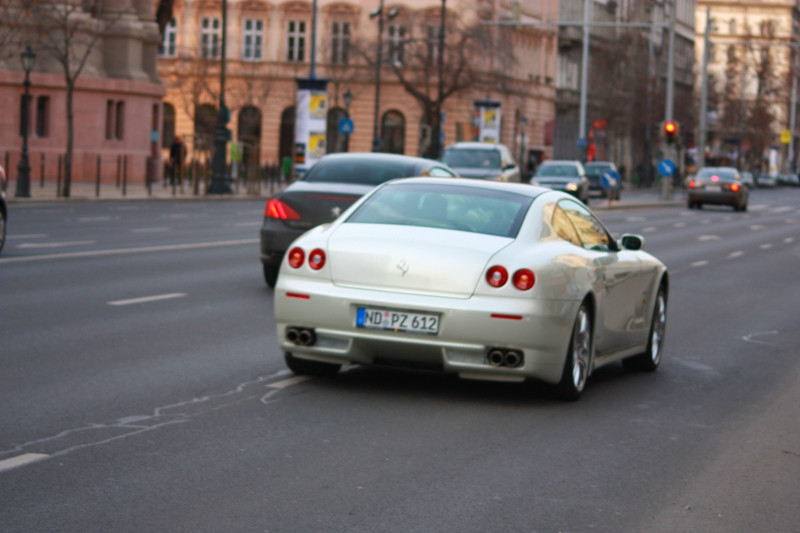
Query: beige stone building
{"type": "Point", "coordinates": [752, 65]}
{"type": "Point", "coordinates": [117, 95]}
{"type": "Point", "coordinates": [270, 45]}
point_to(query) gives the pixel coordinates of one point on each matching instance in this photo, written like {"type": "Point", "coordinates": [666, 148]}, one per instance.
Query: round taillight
{"type": "Point", "coordinates": [497, 276]}
{"type": "Point", "coordinates": [735, 187]}
{"type": "Point", "coordinates": [316, 259]}
{"type": "Point", "coordinates": [692, 184]}
{"type": "Point", "coordinates": [296, 257]}
{"type": "Point", "coordinates": [524, 279]}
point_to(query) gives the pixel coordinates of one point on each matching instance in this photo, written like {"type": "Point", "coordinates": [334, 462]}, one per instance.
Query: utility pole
{"type": "Point", "coordinates": [701, 136]}
{"type": "Point", "coordinates": [582, 141]}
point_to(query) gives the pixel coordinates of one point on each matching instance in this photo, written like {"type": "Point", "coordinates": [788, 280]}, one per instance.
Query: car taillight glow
{"type": "Point", "coordinates": [692, 184]}
{"type": "Point", "coordinates": [735, 187]}
{"type": "Point", "coordinates": [296, 257]}
{"type": "Point", "coordinates": [316, 259]}
{"type": "Point", "coordinates": [497, 276]}
{"type": "Point", "coordinates": [281, 210]}
{"type": "Point", "coordinates": [524, 279]}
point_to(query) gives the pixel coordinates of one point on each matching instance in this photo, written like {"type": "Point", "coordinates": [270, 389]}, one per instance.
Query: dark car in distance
{"type": "Point", "coordinates": [718, 186]}
{"type": "Point", "coordinates": [563, 175]}
{"type": "Point", "coordinates": [595, 170]}
{"type": "Point", "coordinates": [329, 187]}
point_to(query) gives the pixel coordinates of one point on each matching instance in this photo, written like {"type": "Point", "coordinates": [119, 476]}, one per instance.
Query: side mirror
{"type": "Point", "coordinates": [631, 242]}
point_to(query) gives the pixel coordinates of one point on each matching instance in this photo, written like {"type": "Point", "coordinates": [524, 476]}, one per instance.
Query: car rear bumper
{"type": "Point", "coordinates": [275, 240]}
{"type": "Point", "coordinates": [468, 329]}
{"type": "Point", "coordinates": [716, 198]}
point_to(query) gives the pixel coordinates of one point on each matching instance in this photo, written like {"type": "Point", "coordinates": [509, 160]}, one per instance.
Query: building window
{"type": "Point", "coordinates": [43, 116]}
{"type": "Point", "coordinates": [24, 114]}
{"type": "Point", "coordinates": [340, 42]}
{"type": "Point", "coordinates": [168, 45]}
{"type": "Point", "coordinates": [120, 121]}
{"type": "Point", "coordinates": [253, 36]}
{"type": "Point", "coordinates": [109, 119]}
{"type": "Point", "coordinates": [393, 132]}
{"type": "Point", "coordinates": [397, 38]}
{"type": "Point", "coordinates": [210, 38]}
{"type": "Point", "coordinates": [296, 43]}
{"type": "Point", "coordinates": [433, 43]}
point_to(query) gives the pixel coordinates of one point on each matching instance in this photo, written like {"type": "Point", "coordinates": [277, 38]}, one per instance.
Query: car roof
{"type": "Point", "coordinates": [476, 145]}
{"type": "Point", "coordinates": [519, 188]}
{"type": "Point", "coordinates": [561, 162]}
{"type": "Point", "coordinates": [384, 157]}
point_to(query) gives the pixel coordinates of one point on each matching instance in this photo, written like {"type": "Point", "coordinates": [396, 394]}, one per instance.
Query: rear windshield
{"type": "Point", "coordinates": [707, 175]}
{"type": "Point", "coordinates": [471, 158]}
{"type": "Point", "coordinates": [558, 171]}
{"type": "Point", "coordinates": [435, 206]}
{"type": "Point", "coordinates": [367, 171]}
{"type": "Point", "coordinates": [596, 170]}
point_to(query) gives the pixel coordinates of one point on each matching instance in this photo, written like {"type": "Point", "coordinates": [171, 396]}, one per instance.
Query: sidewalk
{"type": "Point", "coordinates": [82, 192]}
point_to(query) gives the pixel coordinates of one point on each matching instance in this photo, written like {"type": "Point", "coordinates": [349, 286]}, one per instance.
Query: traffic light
{"type": "Point", "coordinates": [671, 130]}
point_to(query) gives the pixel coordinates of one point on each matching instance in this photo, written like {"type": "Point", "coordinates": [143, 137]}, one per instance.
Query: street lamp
{"type": "Point", "coordinates": [437, 131]}
{"type": "Point", "coordinates": [378, 12]}
{"type": "Point", "coordinates": [348, 99]}
{"type": "Point", "coordinates": [219, 180]}
{"type": "Point", "coordinates": [24, 168]}
{"type": "Point", "coordinates": [523, 123]}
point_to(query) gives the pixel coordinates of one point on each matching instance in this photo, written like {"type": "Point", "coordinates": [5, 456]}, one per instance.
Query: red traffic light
{"type": "Point", "coordinates": [670, 127]}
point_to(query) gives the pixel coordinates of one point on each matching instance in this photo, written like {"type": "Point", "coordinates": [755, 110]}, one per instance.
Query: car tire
{"type": "Point", "coordinates": [650, 359]}
{"type": "Point", "coordinates": [579, 356]}
{"type": "Point", "coordinates": [310, 368]}
{"type": "Point", "coordinates": [271, 275]}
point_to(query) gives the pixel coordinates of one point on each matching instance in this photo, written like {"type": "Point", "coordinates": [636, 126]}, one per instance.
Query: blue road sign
{"type": "Point", "coordinates": [345, 126]}
{"type": "Point", "coordinates": [666, 168]}
{"type": "Point", "coordinates": [609, 179]}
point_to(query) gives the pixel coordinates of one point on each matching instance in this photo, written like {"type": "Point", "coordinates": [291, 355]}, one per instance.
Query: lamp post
{"type": "Point", "coordinates": [219, 180]}
{"type": "Point", "coordinates": [24, 167]}
{"type": "Point", "coordinates": [523, 123]}
{"type": "Point", "coordinates": [348, 99]}
{"type": "Point", "coordinates": [437, 130]}
{"type": "Point", "coordinates": [378, 12]}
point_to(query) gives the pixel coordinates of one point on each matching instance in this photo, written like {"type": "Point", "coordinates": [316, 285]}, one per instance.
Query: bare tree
{"type": "Point", "coordinates": [12, 13]}
{"type": "Point", "coordinates": [68, 32]}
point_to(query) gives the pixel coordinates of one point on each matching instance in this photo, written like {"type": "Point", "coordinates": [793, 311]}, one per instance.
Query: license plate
{"type": "Point", "coordinates": [712, 188]}
{"type": "Point", "coordinates": [400, 321]}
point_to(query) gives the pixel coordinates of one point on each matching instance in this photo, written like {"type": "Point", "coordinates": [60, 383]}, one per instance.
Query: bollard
{"type": "Point", "coordinates": [97, 179]}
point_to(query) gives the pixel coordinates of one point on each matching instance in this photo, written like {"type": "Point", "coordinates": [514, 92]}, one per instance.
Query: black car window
{"type": "Point", "coordinates": [559, 171]}
{"type": "Point", "coordinates": [366, 171]}
{"type": "Point", "coordinates": [708, 175]}
{"type": "Point", "coordinates": [591, 231]}
{"type": "Point", "coordinates": [471, 158]}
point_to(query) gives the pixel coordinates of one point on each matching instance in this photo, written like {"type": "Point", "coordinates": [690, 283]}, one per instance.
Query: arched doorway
{"type": "Point", "coordinates": [286, 142]}
{"type": "Point", "coordinates": [248, 133]}
{"type": "Point", "coordinates": [205, 120]}
{"type": "Point", "coordinates": [337, 141]}
{"type": "Point", "coordinates": [393, 132]}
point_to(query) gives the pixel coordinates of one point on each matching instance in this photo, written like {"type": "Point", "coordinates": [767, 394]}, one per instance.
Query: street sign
{"type": "Point", "coordinates": [666, 168]}
{"type": "Point", "coordinates": [786, 136]}
{"type": "Point", "coordinates": [609, 179]}
{"type": "Point", "coordinates": [345, 126]}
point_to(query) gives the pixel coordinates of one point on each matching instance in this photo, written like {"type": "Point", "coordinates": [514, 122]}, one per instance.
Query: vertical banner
{"type": "Point", "coordinates": [489, 118]}
{"type": "Point", "coordinates": [311, 114]}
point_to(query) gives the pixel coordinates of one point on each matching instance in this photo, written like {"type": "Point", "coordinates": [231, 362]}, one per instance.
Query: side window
{"type": "Point", "coordinates": [564, 228]}
{"type": "Point", "coordinates": [592, 233]}
{"type": "Point", "coordinates": [440, 172]}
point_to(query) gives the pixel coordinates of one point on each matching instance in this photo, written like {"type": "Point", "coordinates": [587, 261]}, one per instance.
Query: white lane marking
{"type": "Point", "coordinates": [679, 224]}
{"type": "Point", "coordinates": [783, 209]}
{"type": "Point", "coordinates": [734, 255]}
{"type": "Point", "coordinates": [703, 238]}
{"type": "Point", "coordinates": [93, 219]}
{"type": "Point", "coordinates": [790, 221]}
{"type": "Point", "coordinates": [788, 240]}
{"type": "Point", "coordinates": [20, 460]}
{"type": "Point", "coordinates": [28, 236]}
{"type": "Point", "coordinates": [124, 251]}
{"type": "Point", "coordinates": [247, 224]}
{"type": "Point", "coordinates": [288, 382]}
{"type": "Point", "coordinates": [757, 227]}
{"type": "Point", "coordinates": [766, 246]}
{"type": "Point", "coordinates": [146, 299]}
{"type": "Point", "coordinates": [749, 338]}
{"type": "Point", "coordinates": [149, 230]}
{"type": "Point", "coordinates": [54, 244]}
{"type": "Point", "coordinates": [648, 229]}
{"type": "Point", "coordinates": [699, 263]}
{"type": "Point", "coordinates": [634, 219]}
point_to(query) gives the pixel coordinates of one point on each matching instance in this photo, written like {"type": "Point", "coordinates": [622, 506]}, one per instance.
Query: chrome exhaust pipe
{"type": "Point", "coordinates": [512, 359]}
{"type": "Point", "coordinates": [306, 337]}
{"type": "Point", "coordinates": [496, 357]}
{"type": "Point", "coordinates": [292, 334]}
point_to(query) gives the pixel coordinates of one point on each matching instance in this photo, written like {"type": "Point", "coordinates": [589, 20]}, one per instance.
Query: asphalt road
{"type": "Point", "coordinates": [142, 390]}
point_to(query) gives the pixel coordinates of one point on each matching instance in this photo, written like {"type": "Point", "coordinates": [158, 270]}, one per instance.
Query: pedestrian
{"type": "Point", "coordinates": [176, 160]}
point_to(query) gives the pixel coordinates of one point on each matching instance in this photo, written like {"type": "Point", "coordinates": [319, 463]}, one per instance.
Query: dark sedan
{"type": "Point", "coordinates": [329, 187]}
{"type": "Point", "coordinates": [604, 180]}
{"type": "Point", "coordinates": [718, 186]}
